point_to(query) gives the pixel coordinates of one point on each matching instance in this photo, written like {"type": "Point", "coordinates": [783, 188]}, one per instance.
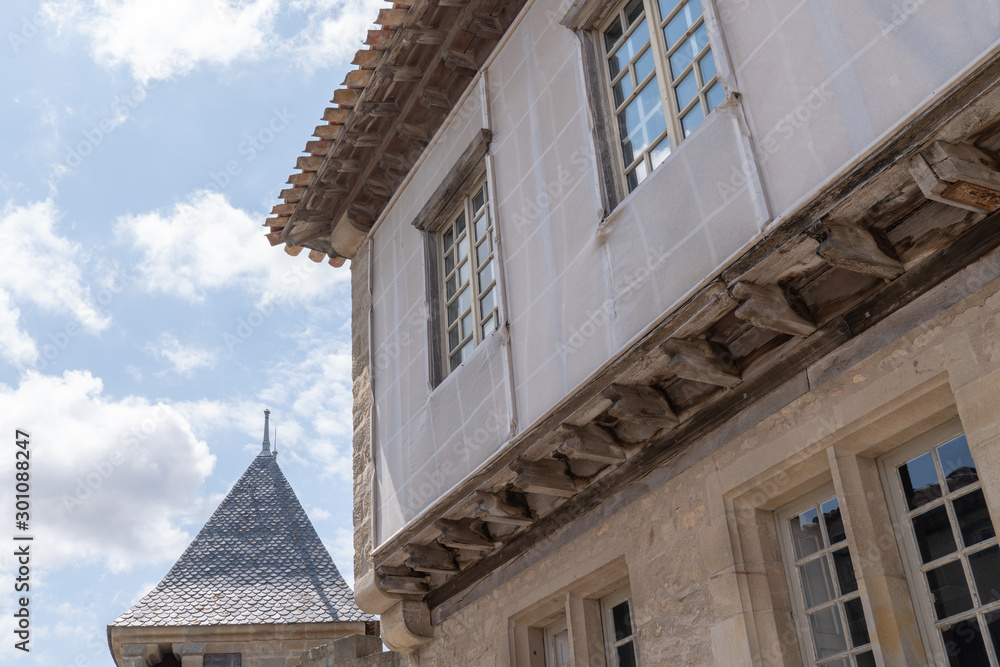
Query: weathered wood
{"type": "Point", "coordinates": [319, 147]}
{"type": "Point", "coordinates": [379, 109]}
{"type": "Point", "coordinates": [461, 60]}
{"type": "Point", "coordinates": [367, 58]}
{"type": "Point", "coordinates": [345, 165]}
{"type": "Point", "coordinates": [505, 507]}
{"type": "Point", "coordinates": [283, 209]}
{"type": "Point", "coordinates": [293, 250]}
{"type": "Point", "coordinates": [308, 162]}
{"type": "Point", "coordinates": [395, 584]}
{"type": "Point", "coordinates": [377, 188]}
{"type": "Point", "coordinates": [700, 361]}
{"type": "Point", "coordinates": [958, 175]}
{"type": "Point", "coordinates": [274, 238]}
{"type": "Point", "coordinates": [413, 132]}
{"type": "Point", "coordinates": [546, 476]}
{"type": "Point", "coordinates": [292, 195]}
{"type": "Point", "coordinates": [591, 443]}
{"type": "Point", "coordinates": [358, 78]}
{"type": "Point", "coordinates": [301, 179]}
{"type": "Point", "coordinates": [379, 40]}
{"type": "Point", "coordinates": [464, 534]}
{"type": "Point", "coordinates": [364, 140]}
{"type": "Point", "coordinates": [641, 405]}
{"type": "Point", "coordinates": [395, 162]}
{"type": "Point", "coordinates": [404, 73]}
{"type": "Point", "coordinates": [486, 25]}
{"type": "Point", "coordinates": [317, 256]}
{"type": "Point", "coordinates": [854, 248]}
{"type": "Point", "coordinates": [765, 306]}
{"type": "Point", "coordinates": [432, 558]}
{"type": "Point", "coordinates": [391, 18]}
{"type": "Point", "coordinates": [339, 116]}
{"type": "Point", "coordinates": [430, 97]}
{"type": "Point", "coordinates": [430, 36]}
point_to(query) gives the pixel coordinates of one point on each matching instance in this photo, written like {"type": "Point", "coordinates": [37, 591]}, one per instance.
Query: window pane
{"type": "Point", "coordinates": [964, 644]}
{"type": "Point", "coordinates": [932, 531]}
{"type": "Point", "coordinates": [920, 481]}
{"type": "Point", "coordinates": [463, 246]}
{"type": "Point", "coordinates": [681, 58]}
{"type": "Point", "coordinates": [622, 621]}
{"type": "Point", "coordinates": [707, 65]}
{"type": "Point", "coordinates": [827, 633]}
{"type": "Point", "coordinates": [629, 49]}
{"type": "Point", "coordinates": [467, 325]}
{"type": "Point", "coordinates": [453, 312]}
{"type": "Point", "coordinates": [488, 326]}
{"type": "Point", "coordinates": [450, 287]}
{"type": "Point", "coordinates": [482, 253]}
{"type": "Point", "coordinates": [692, 120]}
{"type": "Point", "coordinates": [481, 226]}
{"type": "Point", "coordinates": [453, 338]}
{"type": "Point", "coordinates": [973, 518]}
{"type": "Point", "coordinates": [845, 571]}
{"type": "Point", "coordinates": [449, 263]}
{"type": "Point", "coordinates": [866, 659]}
{"type": "Point", "coordinates": [956, 463]}
{"type": "Point", "coordinates": [806, 536]}
{"type": "Point", "coordinates": [856, 624]}
{"type": "Point", "coordinates": [632, 177]}
{"type": "Point", "coordinates": [949, 589]}
{"type": "Point", "coordinates": [633, 11]}
{"type": "Point", "coordinates": [843, 662]}
{"type": "Point", "coordinates": [985, 566]}
{"type": "Point", "coordinates": [486, 276]}
{"type": "Point", "coordinates": [817, 585]}
{"type": "Point", "coordinates": [715, 95]}
{"type": "Point", "coordinates": [644, 66]}
{"type": "Point", "coordinates": [460, 224]}
{"type": "Point", "coordinates": [834, 522]}
{"type": "Point", "coordinates": [993, 626]}
{"type": "Point", "coordinates": [611, 37]}
{"type": "Point", "coordinates": [642, 120]}
{"type": "Point", "coordinates": [686, 90]}
{"type": "Point", "coordinates": [660, 152]}
{"type": "Point", "coordinates": [448, 239]}
{"type": "Point", "coordinates": [626, 655]}
{"type": "Point", "coordinates": [464, 300]}
{"type": "Point", "coordinates": [478, 201]}
{"type": "Point", "coordinates": [622, 90]}
{"type": "Point", "coordinates": [680, 24]}
{"type": "Point", "coordinates": [463, 273]}
{"type": "Point", "coordinates": [488, 302]}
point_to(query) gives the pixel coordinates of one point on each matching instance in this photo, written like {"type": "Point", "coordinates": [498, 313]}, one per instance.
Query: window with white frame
{"type": "Point", "coordinates": [468, 274]}
{"type": "Point", "coordinates": [829, 613]}
{"type": "Point", "coordinates": [557, 653]}
{"type": "Point", "coordinates": [662, 77]}
{"type": "Point", "coordinates": [949, 546]}
{"type": "Point", "coordinates": [620, 640]}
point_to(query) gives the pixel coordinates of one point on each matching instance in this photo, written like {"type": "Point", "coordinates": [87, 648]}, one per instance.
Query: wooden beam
{"type": "Point", "coordinates": [404, 73]}
{"type": "Point", "coordinates": [358, 78]}
{"type": "Point", "coordinates": [319, 147]}
{"type": "Point", "coordinates": [958, 175]}
{"type": "Point", "coordinates": [429, 97]}
{"type": "Point", "coordinates": [274, 238]}
{"type": "Point", "coordinates": [391, 18]}
{"type": "Point", "coordinates": [506, 507]}
{"type": "Point", "coordinates": [429, 36]}
{"type": "Point", "coordinates": [413, 132]}
{"type": "Point", "coordinates": [367, 58]}
{"type": "Point", "coordinates": [549, 477]}
{"type": "Point", "coordinates": [591, 443]}
{"type": "Point", "coordinates": [308, 162]}
{"type": "Point", "coordinates": [327, 132]}
{"type": "Point", "coordinates": [486, 25]}
{"type": "Point", "coordinates": [339, 116]}
{"type": "Point", "coordinates": [643, 412]}
{"type": "Point", "coordinates": [765, 306]}
{"type": "Point", "coordinates": [432, 558]}
{"type": "Point", "coordinates": [700, 361]}
{"type": "Point", "coordinates": [401, 585]}
{"type": "Point", "coordinates": [854, 248]}
{"type": "Point", "coordinates": [464, 534]}
{"type": "Point", "coordinates": [454, 59]}
{"type": "Point", "coordinates": [345, 165]}
{"type": "Point", "coordinates": [379, 109]}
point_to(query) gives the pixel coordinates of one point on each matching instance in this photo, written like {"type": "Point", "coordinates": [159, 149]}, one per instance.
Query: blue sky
{"type": "Point", "coordinates": [145, 322]}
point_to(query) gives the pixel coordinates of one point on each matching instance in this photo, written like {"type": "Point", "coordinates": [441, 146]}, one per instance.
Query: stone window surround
{"type": "Point", "coordinates": [847, 456]}
{"type": "Point", "coordinates": [148, 655]}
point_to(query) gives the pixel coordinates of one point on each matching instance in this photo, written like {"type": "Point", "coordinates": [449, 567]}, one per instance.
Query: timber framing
{"type": "Point", "coordinates": [885, 233]}
{"type": "Point", "coordinates": [414, 69]}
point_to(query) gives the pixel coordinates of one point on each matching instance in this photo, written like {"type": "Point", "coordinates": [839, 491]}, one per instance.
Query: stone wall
{"type": "Point", "coordinates": [353, 651]}
{"type": "Point", "coordinates": [364, 469]}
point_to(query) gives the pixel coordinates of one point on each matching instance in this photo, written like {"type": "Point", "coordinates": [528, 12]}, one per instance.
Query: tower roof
{"type": "Point", "coordinates": [257, 560]}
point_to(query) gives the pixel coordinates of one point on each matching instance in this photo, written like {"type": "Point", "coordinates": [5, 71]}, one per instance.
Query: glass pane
{"type": "Point", "coordinates": [993, 626]}
{"type": "Point", "coordinates": [464, 300]}
{"type": "Point", "coordinates": [449, 263]}
{"type": "Point", "coordinates": [715, 95]}
{"type": "Point", "coordinates": [560, 645]}
{"type": "Point", "coordinates": [626, 655]}
{"type": "Point", "coordinates": [463, 248]}
{"type": "Point", "coordinates": [482, 253]}
{"type": "Point", "coordinates": [963, 643]}
{"type": "Point", "coordinates": [467, 325]}
{"type": "Point", "coordinates": [463, 274]}
{"type": "Point", "coordinates": [845, 571]}
{"type": "Point", "coordinates": [707, 65]}
{"type": "Point", "coordinates": [633, 11]}
{"type": "Point", "coordinates": [481, 226]}
{"type": "Point", "coordinates": [642, 120]}
{"type": "Point", "coordinates": [806, 536]}
{"type": "Point", "coordinates": [932, 531]}
{"type": "Point", "coordinates": [919, 480]}
{"type": "Point", "coordinates": [866, 659]}
{"type": "Point", "coordinates": [956, 463]}
{"type": "Point", "coordinates": [949, 589]}
{"type": "Point", "coordinates": [478, 201]}
{"type": "Point", "coordinates": [453, 312]}
{"type": "Point", "coordinates": [622, 621]}
{"type": "Point", "coordinates": [488, 302]}
{"type": "Point", "coordinates": [692, 120]}
{"type": "Point", "coordinates": [834, 522]}
{"type": "Point", "coordinates": [486, 276]}
{"type": "Point", "coordinates": [460, 224]}
{"type": "Point", "coordinates": [827, 633]}
{"type": "Point", "coordinates": [817, 585]}
{"type": "Point", "coordinates": [660, 152]}
{"type": "Point", "coordinates": [450, 287]}
{"type": "Point", "coordinates": [679, 25]}
{"type": "Point", "coordinates": [644, 66]}
{"type": "Point", "coordinates": [611, 37]}
{"type": "Point", "coordinates": [622, 90]}
{"type": "Point", "coordinates": [681, 58]}
{"type": "Point", "coordinates": [488, 326]}
{"type": "Point", "coordinates": [461, 355]}
{"type": "Point", "coordinates": [686, 90]}
{"type": "Point", "coordinates": [629, 49]}
{"type": "Point", "coordinates": [985, 566]}
{"type": "Point", "coordinates": [632, 177]}
{"type": "Point", "coordinates": [855, 613]}
{"type": "Point", "coordinates": [973, 518]}
{"type": "Point", "coordinates": [448, 239]}
{"type": "Point", "coordinates": [453, 339]}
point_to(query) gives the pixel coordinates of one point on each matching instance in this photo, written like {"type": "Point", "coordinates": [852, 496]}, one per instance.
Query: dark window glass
{"type": "Point", "coordinates": [932, 531]}
{"type": "Point", "coordinates": [845, 571]}
{"type": "Point", "coordinates": [622, 620]}
{"type": "Point", "coordinates": [956, 463]}
{"type": "Point", "coordinates": [920, 481]}
{"type": "Point", "coordinates": [806, 536]}
{"type": "Point", "coordinates": [949, 589]}
{"type": "Point", "coordinates": [973, 518]}
{"type": "Point", "coordinates": [985, 566]}
{"type": "Point", "coordinates": [993, 625]}
{"type": "Point", "coordinates": [626, 655]}
{"type": "Point", "coordinates": [964, 644]}
{"type": "Point", "coordinates": [856, 622]}
{"type": "Point", "coordinates": [866, 659]}
{"type": "Point", "coordinates": [834, 522]}
{"type": "Point", "coordinates": [222, 660]}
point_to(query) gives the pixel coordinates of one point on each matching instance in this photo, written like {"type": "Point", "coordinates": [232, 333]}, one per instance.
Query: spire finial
{"type": "Point", "coordinates": [266, 445]}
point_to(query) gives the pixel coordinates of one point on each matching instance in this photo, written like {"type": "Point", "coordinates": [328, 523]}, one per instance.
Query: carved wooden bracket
{"type": "Point", "coordinates": [765, 306]}
{"type": "Point", "coordinates": [958, 175]}
{"type": "Point", "coordinates": [547, 476]}
{"type": "Point", "coordinates": [395, 584]}
{"type": "Point", "coordinates": [700, 361]}
{"type": "Point", "coordinates": [508, 508]}
{"type": "Point", "coordinates": [591, 443]}
{"type": "Point", "coordinates": [464, 534]}
{"type": "Point", "coordinates": [642, 411]}
{"type": "Point", "coordinates": [432, 558]}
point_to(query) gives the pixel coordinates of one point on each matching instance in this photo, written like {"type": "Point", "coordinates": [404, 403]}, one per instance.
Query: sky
{"type": "Point", "coordinates": [145, 322]}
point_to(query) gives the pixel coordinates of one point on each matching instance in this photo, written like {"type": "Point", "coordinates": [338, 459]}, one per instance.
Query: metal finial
{"type": "Point", "coordinates": [266, 445]}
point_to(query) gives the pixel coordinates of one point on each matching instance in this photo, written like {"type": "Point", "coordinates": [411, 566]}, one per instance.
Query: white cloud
{"type": "Point", "coordinates": [204, 244]}
{"type": "Point", "coordinates": [319, 514]}
{"type": "Point", "coordinates": [341, 548]}
{"type": "Point", "coordinates": [113, 480]}
{"type": "Point", "coordinates": [42, 268]}
{"type": "Point", "coordinates": [335, 30]}
{"type": "Point", "coordinates": [183, 359]}
{"type": "Point", "coordinates": [158, 40]}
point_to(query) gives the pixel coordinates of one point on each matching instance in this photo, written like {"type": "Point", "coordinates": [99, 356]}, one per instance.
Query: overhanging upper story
{"type": "Point", "coordinates": [563, 290]}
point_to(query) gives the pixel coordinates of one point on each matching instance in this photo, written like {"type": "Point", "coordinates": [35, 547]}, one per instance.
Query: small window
{"type": "Point", "coordinates": [620, 638]}
{"type": "Point", "coordinates": [221, 660]}
{"type": "Point", "coordinates": [557, 653]}
{"type": "Point", "coordinates": [662, 79]}
{"type": "Point", "coordinates": [950, 547]}
{"type": "Point", "coordinates": [468, 274]}
{"type": "Point", "coordinates": [829, 613]}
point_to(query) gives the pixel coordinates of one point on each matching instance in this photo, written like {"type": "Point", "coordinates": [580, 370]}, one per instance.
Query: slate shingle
{"type": "Point", "coordinates": [257, 560]}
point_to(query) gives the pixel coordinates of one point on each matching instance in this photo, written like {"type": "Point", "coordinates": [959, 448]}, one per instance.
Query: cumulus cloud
{"type": "Point", "coordinates": [41, 268]}
{"type": "Point", "coordinates": [335, 30]}
{"type": "Point", "coordinates": [183, 359]}
{"type": "Point", "coordinates": [113, 479]}
{"type": "Point", "coordinates": [158, 40]}
{"type": "Point", "coordinates": [204, 244]}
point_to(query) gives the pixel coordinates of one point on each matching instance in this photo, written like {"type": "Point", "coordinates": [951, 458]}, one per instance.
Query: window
{"type": "Point", "coordinates": [949, 546]}
{"type": "Point", "coordinates": [469, 276]}
{"type": "Point", "coordinates": [828, 608]}
{"type": "Point", "coordinates": [619, 629]}
{"type": "Point", "coordinates": [662, 79]}
{"type": "Point", "coordinates": [557, 652]}
{"type": "Point", "coordinates": [222, 660]}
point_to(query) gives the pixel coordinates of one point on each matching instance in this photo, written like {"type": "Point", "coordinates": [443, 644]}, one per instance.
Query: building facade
{"type": "Point", "coordinates": [675, 329]}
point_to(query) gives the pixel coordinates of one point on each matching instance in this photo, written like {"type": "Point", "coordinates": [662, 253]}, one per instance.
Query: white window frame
{"type": "Point", "coordinates": [910, 552]}
{"type": "Point", "coordinates": [666, 83]}
{"type": "Point", "coordinates": [609, 602]}
{"type": "Point", "coordinates": [789, 561]}
{"type": "Point", "coordinates": [480, 319]}
{"type": "Point", "coordinates": [550, 633]}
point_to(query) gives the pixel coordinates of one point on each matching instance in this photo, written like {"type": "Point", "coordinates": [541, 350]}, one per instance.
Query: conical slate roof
{"type": "Point", "coordinates": [257, 560]}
